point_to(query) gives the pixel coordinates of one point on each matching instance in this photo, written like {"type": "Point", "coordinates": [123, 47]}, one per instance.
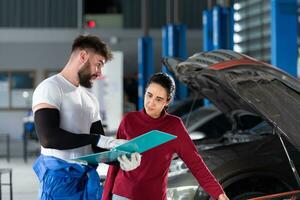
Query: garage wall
{"type": "Point", "coordinates": [42, 50]}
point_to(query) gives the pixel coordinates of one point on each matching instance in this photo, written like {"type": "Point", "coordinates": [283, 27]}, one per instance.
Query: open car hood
{"type": "Point", "coordinates": [234, 81]}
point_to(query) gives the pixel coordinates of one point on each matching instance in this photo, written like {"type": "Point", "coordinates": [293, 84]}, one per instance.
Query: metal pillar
{"type": "Point", "coordinates": [222, 27]}
{"type": "Point", "coordinates": [174, 44]}
{"type": "Point", "coordinates": [145, 56]}
{"type": "Point", "coordinates": [207, 30]}
{"type": "Point", "coordinates": [284, 35]}
{"type": "Point", "coordinates": [145, 64]}
{"type": "Point", "coordinates": [80, 7]}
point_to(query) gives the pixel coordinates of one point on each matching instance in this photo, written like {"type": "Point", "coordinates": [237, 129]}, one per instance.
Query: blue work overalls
{"type": "Point", "coordinates": [69, 181]}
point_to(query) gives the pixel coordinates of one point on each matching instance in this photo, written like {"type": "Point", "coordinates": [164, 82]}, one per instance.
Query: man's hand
{"type": "Point", "coordinates": [133, 163]}
{"type": "Point", "coordinates": [109, 142]}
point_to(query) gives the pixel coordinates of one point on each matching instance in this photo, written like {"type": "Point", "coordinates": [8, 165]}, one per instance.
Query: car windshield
{"type": "Point", "coordinates": [194, 116]}
{"type": "Point", "coordinates": [180, 108]}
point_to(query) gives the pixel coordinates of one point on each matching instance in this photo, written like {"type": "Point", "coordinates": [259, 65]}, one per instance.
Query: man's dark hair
{"type": "Point", "coordinates": [165, 81]}
{"type": "Point", "coordinates": [93, 43]}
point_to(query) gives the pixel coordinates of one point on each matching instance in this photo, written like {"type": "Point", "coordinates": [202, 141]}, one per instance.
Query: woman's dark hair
{"type": "Point", "coordinates": [165, 81]}
{"type": "Point", "coordinates": [94, 44]}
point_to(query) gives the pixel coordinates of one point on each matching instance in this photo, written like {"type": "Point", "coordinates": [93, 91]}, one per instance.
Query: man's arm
{"type": "Point", "coordinates": [97, 128]}
{"type": "Point", "coordinates": [47, 123]}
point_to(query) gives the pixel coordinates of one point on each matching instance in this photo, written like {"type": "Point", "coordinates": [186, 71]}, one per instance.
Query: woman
{"type": "Point", "coordinates": [149, 180]}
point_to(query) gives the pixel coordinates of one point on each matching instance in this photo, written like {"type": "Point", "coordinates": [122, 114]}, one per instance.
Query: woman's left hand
{"type": "Point", "coordinates": [130, 164]}
{"type": "Point", "coordinates": [223, 197]}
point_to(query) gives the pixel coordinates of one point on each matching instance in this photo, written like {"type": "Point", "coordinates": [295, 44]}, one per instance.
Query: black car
{"type": "Point", "coordinates": [254, 161]}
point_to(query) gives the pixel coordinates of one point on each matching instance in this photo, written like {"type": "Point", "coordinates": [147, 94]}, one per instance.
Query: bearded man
{"type": "Point", "coordinates": [68, 125]}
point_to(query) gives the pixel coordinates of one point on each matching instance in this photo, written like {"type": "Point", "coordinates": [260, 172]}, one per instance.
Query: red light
{"type": "Point", "coordinates": [91, 24]}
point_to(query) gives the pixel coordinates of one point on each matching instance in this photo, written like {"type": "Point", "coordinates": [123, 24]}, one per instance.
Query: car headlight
{"type": "Point", "coordinates": [181, 193]}
{"type": "Point", "coordinates": [177, 167]}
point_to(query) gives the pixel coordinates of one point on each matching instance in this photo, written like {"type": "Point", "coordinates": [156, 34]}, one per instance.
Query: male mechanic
{"type": "Point", "coordinates": [68, 125]}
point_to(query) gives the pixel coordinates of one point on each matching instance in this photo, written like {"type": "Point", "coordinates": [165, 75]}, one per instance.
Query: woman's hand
{"type": "Point", "coordinates": [223, 197]}
{"type": "Point", "coordinates": [130, 164]}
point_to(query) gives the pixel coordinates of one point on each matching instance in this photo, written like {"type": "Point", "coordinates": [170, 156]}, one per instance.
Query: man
{"type": "Point", "coordinates": [68, 125]}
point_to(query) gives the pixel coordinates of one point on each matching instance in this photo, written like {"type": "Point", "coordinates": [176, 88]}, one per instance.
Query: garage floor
{"type": "Point", "coordinates": [25, 183]}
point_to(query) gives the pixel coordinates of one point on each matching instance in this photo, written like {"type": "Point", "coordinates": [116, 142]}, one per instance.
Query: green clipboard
{"type": "Point", "coordinates": [139, 144]}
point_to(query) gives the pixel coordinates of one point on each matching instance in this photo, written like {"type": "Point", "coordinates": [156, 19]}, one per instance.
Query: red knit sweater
{"type": "Point", "coordinates": [149, 180]}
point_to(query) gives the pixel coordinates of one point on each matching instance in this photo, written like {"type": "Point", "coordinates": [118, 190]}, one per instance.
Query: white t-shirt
{"type": "Point", "coordinates": [78, 109]}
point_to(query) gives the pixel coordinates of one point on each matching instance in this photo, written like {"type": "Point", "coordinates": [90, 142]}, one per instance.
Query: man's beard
{"type": "Point", "coordinates": [85, 76]}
